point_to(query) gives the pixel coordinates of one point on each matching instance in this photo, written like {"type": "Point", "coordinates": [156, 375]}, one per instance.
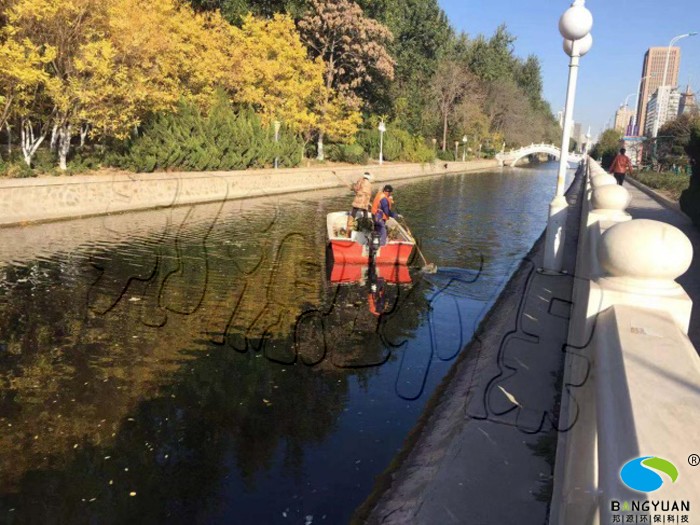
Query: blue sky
{"type": "Point", "coordinates": [622, 32]}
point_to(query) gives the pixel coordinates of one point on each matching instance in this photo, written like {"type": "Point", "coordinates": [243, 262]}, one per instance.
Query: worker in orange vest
{"type": "Point", "coordinates": [382, 212]}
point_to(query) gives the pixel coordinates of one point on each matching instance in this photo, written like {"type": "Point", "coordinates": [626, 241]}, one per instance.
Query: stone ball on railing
{"type": "Point", "coordinates": [610, 197]}
{"type": "Point", "coordinates": [647, 250]}
{"type": "Point", "coordinates": [602, 179]}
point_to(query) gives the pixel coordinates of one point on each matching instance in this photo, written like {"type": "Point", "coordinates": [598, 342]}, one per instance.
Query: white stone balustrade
{"type": "Point", "coordinates": [632, 377]}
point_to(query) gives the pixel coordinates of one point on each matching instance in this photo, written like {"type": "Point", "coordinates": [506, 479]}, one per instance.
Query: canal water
{"type": "Point", "coordinates": [206, 364]}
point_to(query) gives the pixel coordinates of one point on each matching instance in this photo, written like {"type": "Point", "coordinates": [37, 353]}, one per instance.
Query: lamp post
{"type": "Point", "coordinates": [382, 129]}
{"type": "Point", "coordinates": [663, 81]}
{"type": "Point", "coordinates": [435, 145]}
{"type": "Point", "coordinates": [456, 150]}
{"type": "Point", "coordinates": [575, 26]}
{"type": "Point", "coordinates": [636, 129]}
{"type": "Point", "coordinates": [277, 125]}
{"type": "Point", "coordinates": [465, 139]}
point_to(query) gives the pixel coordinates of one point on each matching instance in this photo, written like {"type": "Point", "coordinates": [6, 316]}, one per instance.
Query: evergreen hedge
{"type": "Point", "coordinates": [399, 145]}
{"type": "Point", "coordinates": [351, 153]}
{"type": "Point", "coordinates": [220, 141]}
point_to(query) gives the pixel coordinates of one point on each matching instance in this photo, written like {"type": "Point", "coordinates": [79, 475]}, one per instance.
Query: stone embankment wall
{"type": "Point", "coordinates": [45, 199]}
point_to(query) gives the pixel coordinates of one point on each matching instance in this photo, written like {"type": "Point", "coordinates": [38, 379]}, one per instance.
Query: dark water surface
{"type": "Point", "coordinates": [196, 365]}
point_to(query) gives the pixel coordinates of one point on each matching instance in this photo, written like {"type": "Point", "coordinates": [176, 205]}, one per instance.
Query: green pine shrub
{"type": "Point", "coordinates": [222, 140]}
{"type": "Point", "coordinates": [446, 155]}
{"type": "Point", "coordinates": [399, 145]}
{"type": "Point", "coordinates": [44, 160]}
{"type": "Point", "coordinates": [393, 147]}
{"type": "Point", "coordinates": [16, 169]}
{"type": "Point", "coordinates": [350, 153]}
{"type": "Point", "coordinates": [369, 140]}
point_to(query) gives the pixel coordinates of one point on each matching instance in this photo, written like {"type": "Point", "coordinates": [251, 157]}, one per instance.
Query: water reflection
{"type": "Point", "coordinates": [205, 359]}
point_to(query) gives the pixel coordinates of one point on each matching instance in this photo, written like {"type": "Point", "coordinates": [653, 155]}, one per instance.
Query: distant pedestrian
{"type": "Point", "coordinates": [620, 166]}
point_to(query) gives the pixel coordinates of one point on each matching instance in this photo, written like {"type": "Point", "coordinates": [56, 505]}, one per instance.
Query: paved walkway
{"type": "Point", "coordinates": [645, 207]}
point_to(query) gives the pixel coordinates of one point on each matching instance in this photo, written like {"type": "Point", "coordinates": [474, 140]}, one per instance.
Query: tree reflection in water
{"type": "Point", "coordinates": [157, 364]}
{"type": "Point", "coordinates": [200, 358]}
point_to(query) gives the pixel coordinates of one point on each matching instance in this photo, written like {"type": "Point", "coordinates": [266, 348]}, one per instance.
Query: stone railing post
{"type": "Point", "coordinates": [604, 207]}
{"type": "Point", "coordinates": [640, 260]}
{"type": "Point", "coordinates": [634, 315]}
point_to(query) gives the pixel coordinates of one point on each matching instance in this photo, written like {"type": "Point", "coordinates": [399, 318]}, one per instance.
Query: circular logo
{"type": "Point", "coordinates": [642, 474]}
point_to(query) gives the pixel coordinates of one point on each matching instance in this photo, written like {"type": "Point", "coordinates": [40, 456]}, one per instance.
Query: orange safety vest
{"type": "Point", "coordinates": [377, 199]}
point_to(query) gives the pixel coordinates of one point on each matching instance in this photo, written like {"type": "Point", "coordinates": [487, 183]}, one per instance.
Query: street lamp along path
{"type": "Point", "coordinates": [575, 26]}
{"type": "Point", "coordinates": [382, 129]}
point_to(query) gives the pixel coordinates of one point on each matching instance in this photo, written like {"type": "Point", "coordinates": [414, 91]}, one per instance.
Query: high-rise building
{"type": "Point", "coordinates": [688, 104]}
{"type": "Point", "coordinates": [652, 76]}
{"type": "Point", "coordinates": [663, 105]}
{"type": "Point", "coordinates": [576, 135]}
{"type": "Point", "coordinates": [622, 119]}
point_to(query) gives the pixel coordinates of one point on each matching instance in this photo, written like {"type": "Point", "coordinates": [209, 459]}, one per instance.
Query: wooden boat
{"type": "Point", "coordinates": [356, 249]}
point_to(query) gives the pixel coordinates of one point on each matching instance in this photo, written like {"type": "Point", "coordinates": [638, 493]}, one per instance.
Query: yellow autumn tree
{"type": "Point", "coordinates": [271, 71]}
{"type": "Point", "coordinates": [154, 54]}
{"type": "Point", "coordinates": [119, 60]}
{"type": "Point", "coordinates": [21, 72]}
{"type": "Point", "coordinates": [171, 51]}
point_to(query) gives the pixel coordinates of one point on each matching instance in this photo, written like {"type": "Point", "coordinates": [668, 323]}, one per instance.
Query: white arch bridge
{"type": "Point", "coordinates": [512, 157]}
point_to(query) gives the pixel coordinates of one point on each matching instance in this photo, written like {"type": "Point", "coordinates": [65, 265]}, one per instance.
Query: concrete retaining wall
{"type": "Point", "coordinates": [45, 199]}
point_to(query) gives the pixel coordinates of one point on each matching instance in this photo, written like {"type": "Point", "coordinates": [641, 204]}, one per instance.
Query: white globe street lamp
{"type": "Point", "coordinates": [277, 125]}
{"type": "Point", "coordinates": [382, 129]}
{"type": "Point", "coordinates": [465, 139]}
{"type": "Point", "coordinates": [575, 26]}
{"type": "Point", "coordinates": [663, 81]}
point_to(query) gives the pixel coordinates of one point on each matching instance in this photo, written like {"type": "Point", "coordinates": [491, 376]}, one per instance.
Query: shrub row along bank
{"type": "Point", "coordinates": [671, 183]}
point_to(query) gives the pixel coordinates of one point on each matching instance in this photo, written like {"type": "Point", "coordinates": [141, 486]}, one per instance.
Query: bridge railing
{"type": "Point", "coordinates": [512, 156]}
{"type": "Point", "coordinates": [632, 377]}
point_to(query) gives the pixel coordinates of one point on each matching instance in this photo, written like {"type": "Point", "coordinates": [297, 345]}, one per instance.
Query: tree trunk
{"type": "Point", "coordinates": [444, 133]}
{"type": "Point", "coordinates": [64, 136]}
{"type": "Point", "coordinates": [9, 138]}
{"type": "Point", "coordinates": [29, 142]}
{"type": "Point", "coordinates": [54, 137]}
{"type": "Point", "coordinates": [320, 155]}
{"type": "Point", "coordinates": [83, 134]}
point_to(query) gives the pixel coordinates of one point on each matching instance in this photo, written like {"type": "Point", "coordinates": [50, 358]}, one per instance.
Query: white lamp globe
{"type": "Point", "coordinates": [576, 22]}
{"type": "Point", "coordinates": [582, 46]}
